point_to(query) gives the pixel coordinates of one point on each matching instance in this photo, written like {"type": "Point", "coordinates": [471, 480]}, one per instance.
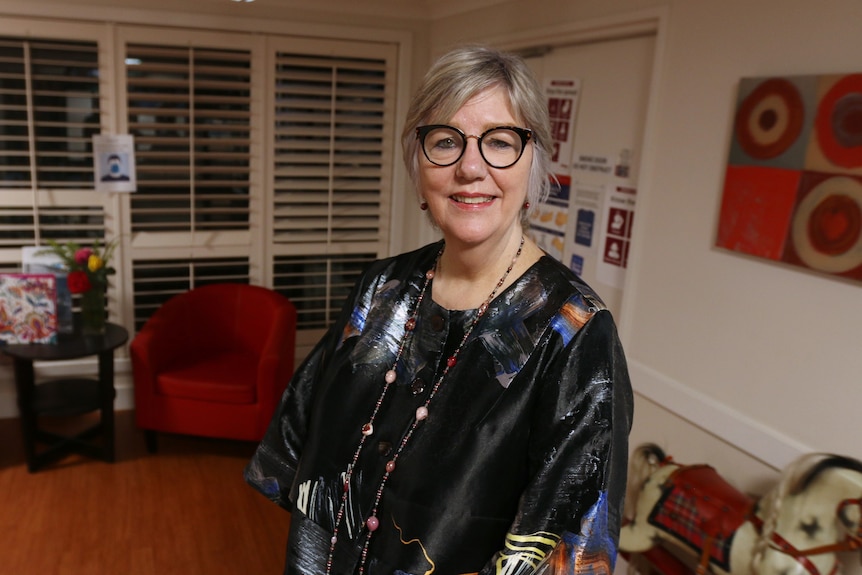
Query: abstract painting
{"type": "Point", "coordinates": [793, 185]}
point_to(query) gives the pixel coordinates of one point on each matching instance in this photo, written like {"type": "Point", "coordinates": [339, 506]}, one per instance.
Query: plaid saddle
{"type": "Point", "coordinates": [703, 511]}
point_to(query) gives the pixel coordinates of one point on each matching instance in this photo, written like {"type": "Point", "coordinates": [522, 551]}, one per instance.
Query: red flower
{"type": "Point", "coordinates": [78, 282]}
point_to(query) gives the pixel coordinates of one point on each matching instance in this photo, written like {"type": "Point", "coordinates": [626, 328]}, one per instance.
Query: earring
{"type": "Point", "coordinates": [526, 205]}
{"type": "Point", "coordinates": [423, 206]}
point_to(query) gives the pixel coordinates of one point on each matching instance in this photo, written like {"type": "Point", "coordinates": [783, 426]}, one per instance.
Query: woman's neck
{"type": "Point", "coordinates": [467, 275]}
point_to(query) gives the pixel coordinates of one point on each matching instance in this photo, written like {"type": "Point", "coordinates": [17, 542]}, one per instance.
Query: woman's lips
{"type": "Point", "coordinates": [471, 199]}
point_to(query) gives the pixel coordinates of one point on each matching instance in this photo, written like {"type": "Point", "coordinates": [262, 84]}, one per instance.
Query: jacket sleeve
{"type": "Point", "coordinates": [569, 514]}
{"type": "Point", "coordinates": [273, 466]}
{"type": "Point", "coordinates": [274, 463]}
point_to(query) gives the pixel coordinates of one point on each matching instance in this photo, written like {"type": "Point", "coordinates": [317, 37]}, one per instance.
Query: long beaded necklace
{"type": "Point", "coordinates": [372, 522]}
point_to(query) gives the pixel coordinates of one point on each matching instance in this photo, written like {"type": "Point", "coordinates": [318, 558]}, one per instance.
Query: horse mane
{"type": "Point", "coordinates": [827, 461]}
{"type": "Point", "coordinates": [795, 479]}
{"type": "Point", "coordinates": [643, 462]}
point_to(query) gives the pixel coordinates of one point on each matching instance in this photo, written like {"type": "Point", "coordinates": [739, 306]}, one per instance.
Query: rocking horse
{"type": "Point", "coordinates": [699, 522]}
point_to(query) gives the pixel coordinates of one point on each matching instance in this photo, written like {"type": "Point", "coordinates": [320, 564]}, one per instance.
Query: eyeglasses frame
{"type": "Point", "coordinates": [525, 134]}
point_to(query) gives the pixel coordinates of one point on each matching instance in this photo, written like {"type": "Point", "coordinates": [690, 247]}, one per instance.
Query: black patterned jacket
{"type": "Point", "coordinates": [520, 467]}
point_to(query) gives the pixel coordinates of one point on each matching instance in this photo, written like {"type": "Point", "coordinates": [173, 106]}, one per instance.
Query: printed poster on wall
{"type": "Point", "coordinates": [618, 218]}
{"type": "Point", "coordinates": [562, 95]}
{"type": "Point", "coordinates": [114, 163]}
{"type": "Point", "coordinates": [599, 164]}
{"type": "Point", "coordinates": [548, 222]}
{"type": "Point", "coordinates": [586, 209]}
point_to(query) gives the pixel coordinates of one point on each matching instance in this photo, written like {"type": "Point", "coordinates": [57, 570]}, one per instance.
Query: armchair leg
{"type": "Point", "coordinates": [152, 440]}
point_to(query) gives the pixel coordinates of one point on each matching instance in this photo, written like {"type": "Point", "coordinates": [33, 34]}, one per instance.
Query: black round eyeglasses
{"type": "Point", "coordinates": [500, 147]}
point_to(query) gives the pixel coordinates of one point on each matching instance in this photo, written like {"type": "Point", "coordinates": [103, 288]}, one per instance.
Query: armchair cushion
{"type": "Point", "coordinates": [223, 378]}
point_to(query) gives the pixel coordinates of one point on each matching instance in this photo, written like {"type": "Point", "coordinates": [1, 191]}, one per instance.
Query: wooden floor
{"type": "Point", "coordinates": [184, 510]}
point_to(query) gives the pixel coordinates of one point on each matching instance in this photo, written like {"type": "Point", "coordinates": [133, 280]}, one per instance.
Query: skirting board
{"type": "Point", "coordinates": [757, 440]}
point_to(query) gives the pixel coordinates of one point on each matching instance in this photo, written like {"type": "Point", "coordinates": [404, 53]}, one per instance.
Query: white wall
{"type": "Point", "coordinates": [738, 362]}
{"type": "Point", "coordinates": [776, 344]}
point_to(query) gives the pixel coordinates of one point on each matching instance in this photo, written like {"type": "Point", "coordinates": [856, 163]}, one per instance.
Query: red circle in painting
{"type": "Point", "coordinates": [826, 230]}
{"type": "Point", "coordinates": [839, 122]}
{"type": "Point", "coordinates": [835, 224]}
{"type": "Point", "coordinates": [769, 119]}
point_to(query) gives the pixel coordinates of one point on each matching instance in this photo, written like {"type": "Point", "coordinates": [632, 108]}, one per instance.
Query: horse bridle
{"type": "Point", "coordinates": [852, 542]}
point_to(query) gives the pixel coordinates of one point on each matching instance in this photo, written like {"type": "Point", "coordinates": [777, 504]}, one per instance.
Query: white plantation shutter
{"type": "Point", "coordinates": [259, 158]}
{"type": "Point", "coordinates": [190, 112]}
{"type": "Point", "coordinates": [332, 170]}
{"type": "Point", "coordinates": [329, 138]}
{"type": "Point", "coordinates": [318, 285]}
{"type": "Point", "coordinates": [49, 105]}
{"type": "Point", "coordinates": [49, 108]}
{"type": "Point", "coordinates": [189, 101]}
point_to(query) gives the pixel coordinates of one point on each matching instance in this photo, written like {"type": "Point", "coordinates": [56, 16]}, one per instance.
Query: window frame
{"type": "Point", "coordinates": [111, 39]}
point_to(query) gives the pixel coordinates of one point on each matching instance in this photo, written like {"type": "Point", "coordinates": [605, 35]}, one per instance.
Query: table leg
{"type": "Point", "coordinates": [107, 393]}
{"type": "Point", "coordinates": [25, 381]}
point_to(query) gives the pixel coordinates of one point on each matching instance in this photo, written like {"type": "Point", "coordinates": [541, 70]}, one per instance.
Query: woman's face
{"type": "Point", "coordinates": [470, 201]}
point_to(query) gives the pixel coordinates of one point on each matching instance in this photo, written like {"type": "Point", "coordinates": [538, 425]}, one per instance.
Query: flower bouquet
{"type": "Point", "coordinates": [88, 275]}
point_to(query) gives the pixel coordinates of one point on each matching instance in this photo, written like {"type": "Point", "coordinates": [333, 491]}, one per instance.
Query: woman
{"type": "Point", "coordinates": [469, 411]}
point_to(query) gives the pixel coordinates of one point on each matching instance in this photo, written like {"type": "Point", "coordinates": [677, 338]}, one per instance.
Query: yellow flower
{"type": "Point", "coordinates": [95, 263]}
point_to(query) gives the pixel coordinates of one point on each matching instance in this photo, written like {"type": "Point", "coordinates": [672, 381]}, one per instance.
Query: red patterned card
{"type": "Point", "coordinates": [28, 308]}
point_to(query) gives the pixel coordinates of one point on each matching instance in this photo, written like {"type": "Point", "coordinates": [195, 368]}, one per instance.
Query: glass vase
{"type": "Point", "coordinates": [93, 310]}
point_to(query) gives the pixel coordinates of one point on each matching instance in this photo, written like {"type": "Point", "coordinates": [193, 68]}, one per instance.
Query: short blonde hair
{"type": "Point", "coordinates": [465, 72]}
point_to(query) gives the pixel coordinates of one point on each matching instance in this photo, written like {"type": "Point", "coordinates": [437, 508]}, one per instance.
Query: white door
{"type": "Point", "coordinates": [614, 77]}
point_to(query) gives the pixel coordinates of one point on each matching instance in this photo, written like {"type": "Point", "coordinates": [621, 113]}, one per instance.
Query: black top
{"type": "Point", "coordinates": [522, 458]}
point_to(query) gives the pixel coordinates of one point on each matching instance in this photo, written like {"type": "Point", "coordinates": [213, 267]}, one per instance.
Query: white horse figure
{"type": "Point", "coordinates": [814, 512]}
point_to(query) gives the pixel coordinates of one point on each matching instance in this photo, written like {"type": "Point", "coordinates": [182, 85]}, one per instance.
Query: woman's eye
{"type": "Point", "coordinates": [445, 143]}
{"type": "Point", "coordinates": [499, 144]}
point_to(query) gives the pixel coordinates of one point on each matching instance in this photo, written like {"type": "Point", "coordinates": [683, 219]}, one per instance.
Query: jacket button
{"type": "Point", "coordinates": [418, 386]}
{"type": "Point", "coordinates": [384, 448]}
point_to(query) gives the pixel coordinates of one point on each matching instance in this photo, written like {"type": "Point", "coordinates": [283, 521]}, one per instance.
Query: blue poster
{"type": "Point", "coordinates": [584, 227]}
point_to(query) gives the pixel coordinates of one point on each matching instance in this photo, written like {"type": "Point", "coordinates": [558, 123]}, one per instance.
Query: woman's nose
{"type": "Point", "coordinates": [472, 165]}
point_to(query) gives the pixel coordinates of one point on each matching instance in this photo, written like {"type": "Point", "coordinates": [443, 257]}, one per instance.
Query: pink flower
{"type": "Point", "coordinates": [82, 255]}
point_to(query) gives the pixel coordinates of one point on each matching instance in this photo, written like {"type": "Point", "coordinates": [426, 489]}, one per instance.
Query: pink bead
{"type": "Point", "coordinates": [421, 413]}
{"type": "Point", "coordinates": [390, 466]}
{"type": "Point", "coordinates": [390, 376]}
{"type": "Point", "coordinates": [429, 275]}
{"type": "Point", "coordinates": [372, 523]}
{"type": "Point", "coordinates": [334, 540]}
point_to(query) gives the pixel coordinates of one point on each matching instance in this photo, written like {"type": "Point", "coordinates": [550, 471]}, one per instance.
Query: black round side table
{"type": "Point", "coordinates": [67, 397]}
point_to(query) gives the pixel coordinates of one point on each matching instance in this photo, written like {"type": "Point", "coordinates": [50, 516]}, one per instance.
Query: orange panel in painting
{"type": "Point", "coordinates": [756, 210]}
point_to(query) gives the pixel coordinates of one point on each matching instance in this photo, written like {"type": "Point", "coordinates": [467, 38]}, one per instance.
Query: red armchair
{"type": "Point", "coordinates": [214, 362]}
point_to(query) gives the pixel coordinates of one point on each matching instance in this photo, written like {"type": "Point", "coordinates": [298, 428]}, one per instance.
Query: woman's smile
{"type": "Point", "coordinates": [471, 200]}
